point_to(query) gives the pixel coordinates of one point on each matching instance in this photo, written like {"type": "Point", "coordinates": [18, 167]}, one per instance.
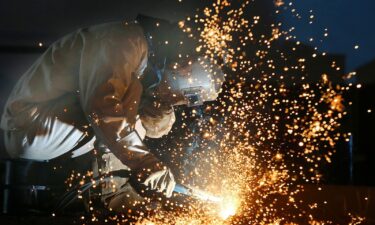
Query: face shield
{"type": "Point", "coordinates": [198, 82]}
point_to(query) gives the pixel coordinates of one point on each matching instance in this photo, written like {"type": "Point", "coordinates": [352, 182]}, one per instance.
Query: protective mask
{"type": "Point", "coordinates": [198, 83]}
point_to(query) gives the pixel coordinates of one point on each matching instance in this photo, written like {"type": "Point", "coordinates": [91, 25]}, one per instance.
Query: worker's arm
{"type": "Point", "coordinates": [111, 93]}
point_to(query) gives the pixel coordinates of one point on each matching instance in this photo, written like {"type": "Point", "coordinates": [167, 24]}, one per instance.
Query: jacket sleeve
{"type": "Point", "coordinates": [112, 60]}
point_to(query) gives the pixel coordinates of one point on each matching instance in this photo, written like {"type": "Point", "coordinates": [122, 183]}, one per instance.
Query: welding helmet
{"type": "Point", "coordinates": [197, 82]}
{"type": "Point", "coordinates": [177, 69]}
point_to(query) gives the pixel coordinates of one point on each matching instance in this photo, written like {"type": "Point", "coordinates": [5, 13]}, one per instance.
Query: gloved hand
{"type": "Point", "coordinates": [159, 179]}
{"type": "Point", "coordinates": [149, 174]}
{"type": "Point", "coordinates": [162, 181]}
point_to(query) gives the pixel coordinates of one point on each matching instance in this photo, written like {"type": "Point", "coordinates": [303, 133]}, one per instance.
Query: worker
{"type": "Point", "coordinates": [108, 85]}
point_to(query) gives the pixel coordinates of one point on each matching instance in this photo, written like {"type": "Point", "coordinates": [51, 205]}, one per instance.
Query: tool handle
{"type": "Point", "coordinates": [181, 189]}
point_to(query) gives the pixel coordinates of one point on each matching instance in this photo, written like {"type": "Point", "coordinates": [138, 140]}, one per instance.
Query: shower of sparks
{"type": "Point", "coordinates": [273, 128]}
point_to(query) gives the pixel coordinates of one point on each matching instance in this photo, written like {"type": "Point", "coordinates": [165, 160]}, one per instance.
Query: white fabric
{"type": "Point", "coordinates": [54, 132]}
{"type": "Point", "coordinates": [112, 163]}
{"type": "Point", "coordinates": [140, 129]}
{"type": "Point", "coordinates": [91, 76]}
{"type": "Point", "coordinates": [134, 142]}
{"type": "Point", "coordinates": [61, 138]}
{"type": "Point", "coordinates": [84, 149]}
{"type": "Point", "coordinates": [70, 70]}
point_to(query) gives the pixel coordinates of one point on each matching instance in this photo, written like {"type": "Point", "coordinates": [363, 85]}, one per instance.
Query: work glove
{"type": "Point", "coordinates": [161, 181]}
{"type": "Point", "coordinates": [159, 178]}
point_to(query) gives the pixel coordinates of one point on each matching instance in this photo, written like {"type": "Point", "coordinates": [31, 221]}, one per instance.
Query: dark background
{"type": "Point", "coordinates": [25, 24]}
